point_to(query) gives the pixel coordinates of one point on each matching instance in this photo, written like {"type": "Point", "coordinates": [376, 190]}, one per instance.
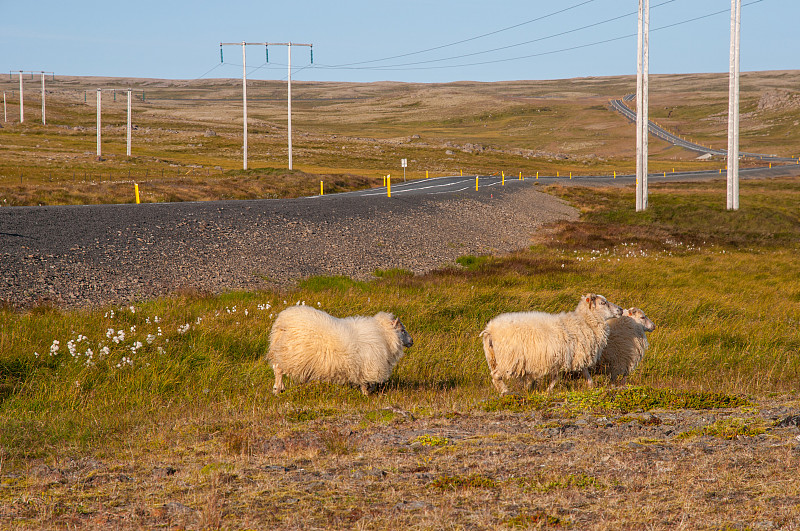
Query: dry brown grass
{"type": "Point", "coordinates": [365, 129]}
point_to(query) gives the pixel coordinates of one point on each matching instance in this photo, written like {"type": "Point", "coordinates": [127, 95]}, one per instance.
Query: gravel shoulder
{"type": "Point", "coordinates": [87, 256]}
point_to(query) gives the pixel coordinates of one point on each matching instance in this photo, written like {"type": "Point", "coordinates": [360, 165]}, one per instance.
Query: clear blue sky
{"type": "Point", "coordinates": [180, 39]}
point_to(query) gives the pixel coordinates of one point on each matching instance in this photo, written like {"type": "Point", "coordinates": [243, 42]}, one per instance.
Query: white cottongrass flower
{"type": "Point", "coordinates": [147, 321]}
{"type": "Point", "coordinates": [319, 305]}
{"type": "Point", "coordinates": [54, 347]}
{"type": "Point", "coordinates": [183, 329]}
{"type": "Point", "coordinates": [160, 350]}
{"type": "Point", "coordinates": [156, 319]}
{"type": "Point", "coordinates": [150, 338]}
{"type": "Point", "coordinates": [199, 319]}
{"type": "Point", "coordinates": [109, 333]}
{"type": "Point", "coordinates": [132, 309]}
{"type": "Point", "coordinates": [245, 312]}
{"type": "Point", "coordinates": [36, 354]}
{"type": "Point", "coordinates": [105, 351]}
{"type": "Point", "coordinates": [159, 331]}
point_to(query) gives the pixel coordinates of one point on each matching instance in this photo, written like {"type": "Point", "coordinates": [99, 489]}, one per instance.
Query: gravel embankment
{"type": "Point", "coordinates": [92, 255]}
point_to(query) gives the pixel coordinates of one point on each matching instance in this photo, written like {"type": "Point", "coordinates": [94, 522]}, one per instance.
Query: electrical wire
{"type": "Point", "coordinates": [537, 19]}
{"type": "Point", "coordinates": [409, 66]}
{"type": "Point", "coordinates": [539, 39]}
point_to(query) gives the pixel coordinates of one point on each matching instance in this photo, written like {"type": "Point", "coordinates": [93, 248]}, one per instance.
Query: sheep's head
{"type": "Point", "coordinates": [402, 333]}
{"type": "Point", "coordinates": [600, 305]}
{"type": "Point", "coordinates": [638, 315]}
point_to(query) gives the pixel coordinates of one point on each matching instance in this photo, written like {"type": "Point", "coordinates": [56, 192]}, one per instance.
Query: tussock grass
{"type": "Point", "coordinates": [726, 313]}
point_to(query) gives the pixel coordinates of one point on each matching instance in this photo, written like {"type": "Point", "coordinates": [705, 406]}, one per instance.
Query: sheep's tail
{"type": "Point", "coordinates": [488, 350]}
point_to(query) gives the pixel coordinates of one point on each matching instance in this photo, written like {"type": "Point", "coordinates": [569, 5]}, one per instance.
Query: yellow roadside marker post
{"type": "Point", "coordinates": [503, 178]}
{"type": "Point", "coordinates": [321, 189]}
{"type": "Point", "coordinates": [136, 189]}
{"type": "Point", "coordinates": [426, 174]}
{"type": "Point", "coordinates": [476, 183]}
{"type": "Point", "coordinates": [389, 185]}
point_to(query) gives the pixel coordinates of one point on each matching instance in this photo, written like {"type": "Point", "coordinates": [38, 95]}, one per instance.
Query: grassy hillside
{"type": "Point", "coordinates": [189, 132]}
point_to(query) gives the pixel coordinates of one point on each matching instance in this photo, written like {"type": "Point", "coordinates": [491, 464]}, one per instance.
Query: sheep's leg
{"type": "Point", "coordinates": [624, 380]}
{"type": "Point", "coordinates": [278, 388]}
{"type": "Point", "coordinates": [553, 382]}
{"type": "Point", "coordinates": [366, 389]}
{"type": "Point", "coordinates": [499, 384]}
{"type": "Point", "coordinates": [529, 382]}
{"type": "Point", "coordinates": [588, 377]}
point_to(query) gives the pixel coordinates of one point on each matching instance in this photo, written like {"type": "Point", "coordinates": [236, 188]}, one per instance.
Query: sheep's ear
{"type": "Point", "coordinates": [396, 323]}
{"type": "Point", "coordinates": [592, 300]}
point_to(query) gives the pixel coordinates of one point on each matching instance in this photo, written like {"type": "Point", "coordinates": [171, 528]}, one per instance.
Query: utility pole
{"type": "Point", "coordinates": [244, 86]}
{"type": "Point", "coordinates": [44, 122]}
{"type": "Point", "coordinates": [733, 108]}
{"type": "Point", "coordinates": [99, 125]}
{"type": "Point", "coordinates": [642, 89]}
{"type": "Point", "coordinates": [21, 106]}
{"type": "Point", "coordinates": [129, 123]}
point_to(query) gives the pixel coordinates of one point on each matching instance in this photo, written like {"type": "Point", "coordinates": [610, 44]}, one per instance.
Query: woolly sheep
{"type": "Point", "coordinates": [532, 345]}
{"type": "Point", "coordinates": [308, 344]}
{"type": "Point", "coordinates": [626, 344]}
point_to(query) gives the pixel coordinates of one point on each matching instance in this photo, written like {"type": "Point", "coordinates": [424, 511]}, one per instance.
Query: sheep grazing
{"type": "Point", "coordinates": [626, 344]}
{"type": "Point", "coordinates": [532, 345]}
{"type": "Point", "coordinates": [308, 344]}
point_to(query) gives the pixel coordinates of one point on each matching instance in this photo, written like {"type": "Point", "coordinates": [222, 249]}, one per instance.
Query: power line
{"type": "Point", "coordinates": [537, 19]}
{"type": "Point", "coordinates": [529, 56]}
{"type": "Point", "coordinates": [539, 39]}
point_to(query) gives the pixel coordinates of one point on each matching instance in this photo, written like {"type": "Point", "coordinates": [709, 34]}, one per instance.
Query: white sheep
{"type": "Point", "coordinates": [626, 344]}
{"type": "Point", "coordinates": [532, 345]}
{"type": "Point", "coordinates": [308, 344]}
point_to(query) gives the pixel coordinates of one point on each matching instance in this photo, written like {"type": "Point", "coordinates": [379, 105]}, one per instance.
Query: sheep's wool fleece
{"type": "Point", "coordinates": [309, 344]}
{"type": "Point", "coordinates": [538, 343]}
{"type": "Point", "coordinates": [627, 343]}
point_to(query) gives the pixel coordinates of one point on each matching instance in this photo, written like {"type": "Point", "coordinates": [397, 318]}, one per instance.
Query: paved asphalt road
{"type": "Point", "coordinates": [660, 132]}
{"type": "Point", "coordinates": [88, 255]}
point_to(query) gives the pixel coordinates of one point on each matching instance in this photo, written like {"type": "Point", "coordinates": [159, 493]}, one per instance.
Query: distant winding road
{"type": "Point", "coordinates": [656, 130]}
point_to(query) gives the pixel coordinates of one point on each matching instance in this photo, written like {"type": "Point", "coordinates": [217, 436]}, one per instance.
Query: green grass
{"type": "Point", "coordinates": [726, 312]}
{"type": "Point", "coordinates": [733, 428]}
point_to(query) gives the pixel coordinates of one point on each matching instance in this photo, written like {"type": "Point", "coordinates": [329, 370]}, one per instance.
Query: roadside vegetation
{"type": "Point", "coordinates": [725, 300]}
